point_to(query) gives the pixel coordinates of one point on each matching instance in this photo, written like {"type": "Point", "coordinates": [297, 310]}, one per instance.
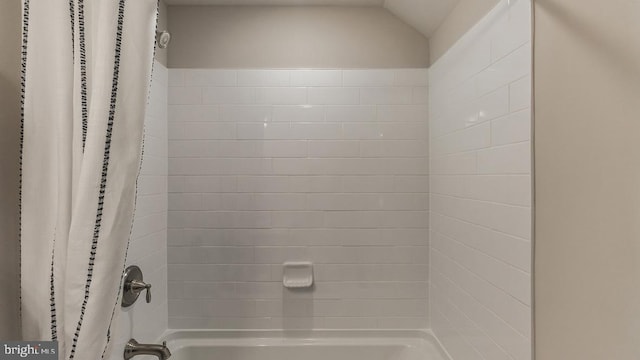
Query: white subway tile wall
{"type": "Point", "coordinates": [328, 166]}
{"type": "Point", "coordinates": [480, 195]}
{"type": "Point", "coordinates": [148, 246]}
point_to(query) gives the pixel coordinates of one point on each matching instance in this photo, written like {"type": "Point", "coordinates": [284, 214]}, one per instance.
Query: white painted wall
{"type": "Point", "coordinates": [322, 165]}
{"type": "Point", "coordinates": [587, 76]}
{"type": "Point", "coordinates": [289, 37]}
{"type": "Point", "coordinates": [148, 247]}
{"type": "Point", "coordinates": [480, 121]}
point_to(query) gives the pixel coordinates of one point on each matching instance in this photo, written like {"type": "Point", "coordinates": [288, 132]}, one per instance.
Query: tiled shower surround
{"type": "Point", "coordinates": [328, 166]}
{"type": "Point", "coordinates": [480, 133]}
{"type": "Point", "coordinates": [413, 205]}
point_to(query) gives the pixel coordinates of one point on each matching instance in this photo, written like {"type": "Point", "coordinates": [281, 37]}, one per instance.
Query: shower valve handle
{"type": "Point", "coordinates": [138, 286]}
{"type": "Point", "coordinates": [133, 285]}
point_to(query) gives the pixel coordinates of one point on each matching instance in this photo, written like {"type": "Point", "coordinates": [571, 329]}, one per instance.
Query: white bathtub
{"type": "Point", "coordinates": [303, 345]}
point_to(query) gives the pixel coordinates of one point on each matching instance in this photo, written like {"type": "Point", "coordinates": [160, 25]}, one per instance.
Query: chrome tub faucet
{"type": "Point", "coordinates": [134, 348]}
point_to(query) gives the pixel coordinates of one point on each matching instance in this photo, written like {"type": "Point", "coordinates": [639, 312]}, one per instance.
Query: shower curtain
{"type": "Point", "coordinates": [86, 69]}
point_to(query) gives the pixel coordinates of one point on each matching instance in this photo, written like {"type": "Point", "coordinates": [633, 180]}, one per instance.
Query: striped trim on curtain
{"type": "Point", "coordinates": [83, 105]}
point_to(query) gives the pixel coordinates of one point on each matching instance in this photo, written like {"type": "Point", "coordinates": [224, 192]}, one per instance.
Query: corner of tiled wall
{"type": "Point", "coordinates": [480, 139]}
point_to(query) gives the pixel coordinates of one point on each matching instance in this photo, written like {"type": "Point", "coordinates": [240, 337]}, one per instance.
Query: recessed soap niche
{"type": "Point", "coordinates": [297, 274]}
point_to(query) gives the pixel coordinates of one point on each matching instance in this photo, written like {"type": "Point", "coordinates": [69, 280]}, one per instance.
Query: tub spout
{"type": "Point", "coordinates": [134, 348]}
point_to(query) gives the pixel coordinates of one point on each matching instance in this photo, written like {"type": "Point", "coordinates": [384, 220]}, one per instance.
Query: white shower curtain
{"type": "Point", "coordinates": [86, 72]}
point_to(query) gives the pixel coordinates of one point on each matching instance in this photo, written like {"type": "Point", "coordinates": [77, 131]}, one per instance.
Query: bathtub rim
{"type": "Point", "coordinates": [180, 338]}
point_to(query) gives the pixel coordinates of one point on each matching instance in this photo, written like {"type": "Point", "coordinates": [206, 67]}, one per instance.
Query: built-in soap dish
{"type": "Point", "coordinates": [297, 275]}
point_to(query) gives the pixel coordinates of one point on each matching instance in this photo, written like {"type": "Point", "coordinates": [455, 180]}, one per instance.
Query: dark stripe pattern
{"type": "Point", "coordinates": [52, 297]}
{"type": "Point", "coordinates": [105, 167]}
{"type": "Point", "coordinates": [72, 12]}
{"type": "Point", "coordinates": [83, 72]}
{"type": "Point", "coordinates": [23, 80]}
{"type": "Point", "coordinates": [135, 201]}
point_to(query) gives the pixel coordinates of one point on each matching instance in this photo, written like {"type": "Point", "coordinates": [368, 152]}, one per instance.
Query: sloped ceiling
{"type": "Point", "coordinates": [424, 15]}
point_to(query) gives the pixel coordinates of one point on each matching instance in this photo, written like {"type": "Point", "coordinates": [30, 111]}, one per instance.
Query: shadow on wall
{"type": "Point", "coordinates": [297, 310]}
{"type": "Point", "coordinates": [10, 17]}
{"type": "Point", "coordinates": [9, 248]}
